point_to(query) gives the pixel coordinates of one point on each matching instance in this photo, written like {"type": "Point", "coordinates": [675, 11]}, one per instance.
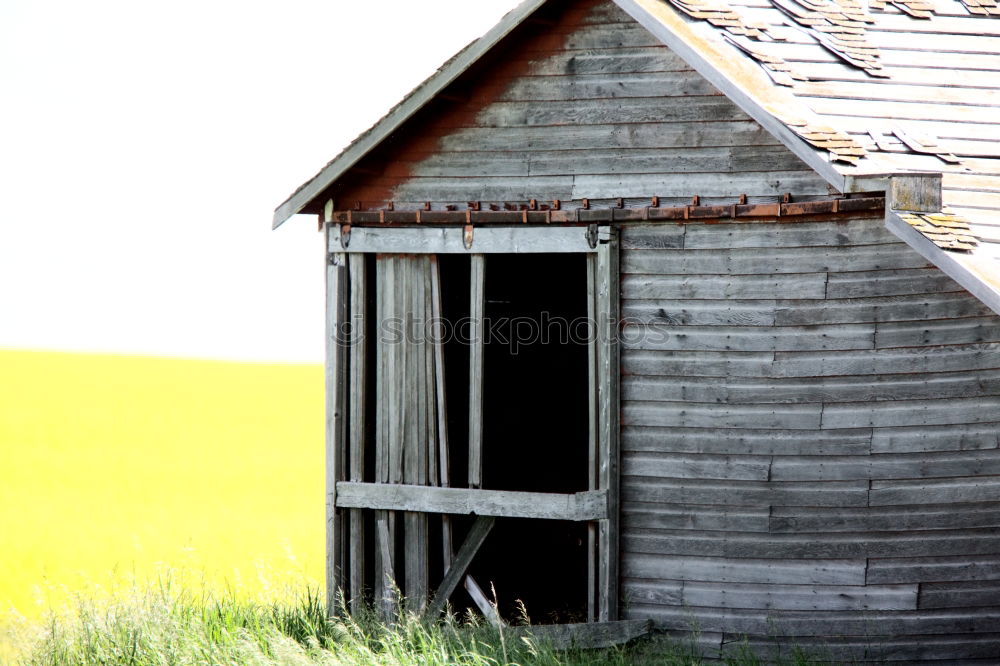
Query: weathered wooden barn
{"type": "Point", "coordinates": [758, 244]}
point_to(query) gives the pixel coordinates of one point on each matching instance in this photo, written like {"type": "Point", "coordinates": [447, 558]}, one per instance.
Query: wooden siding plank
{"type": "Point", "coordinates": [736, 391]}
{"type": "Point", "coordinates": [938, 569]}
{"type": "Point", "coordinates": [639, 135]}
{"type": "Point", "coordinates": [747, 339]}
{"type": "Point", "coordinates": [862, 284]}
{"type": "Point", "coordinates": [698, 363]}
{"type": "Point", "coordinates": [961, 437]}
{"type": "Point", "coordinates": [935, 491]}
{"type": "Point", "coordinates": [744, 493]}
{"type": "Point", "coordinates": [743, 441]}
{"type": "Point", "coordinates": [669, 184]}
{"type": "Point", "coordinates": [887, 466]}
{"type": "Point", "coordinates": [589, 505]}
{"type": "Point", "coordinates": [694, 517]}
{"type": "Point", "coordinates": [947, 305]}
{"type": "Point", "coordinates": [944, 358]}
{"type": "Point", "coordinates": [920, 518]}
{"type": "Point", "coordinates": [937, 332]}
{"type": "Point", "coordinates": [808, 285]}
{"type": "Point", "coordinates": [726, 570]}
{"type": "Point", "coordinates": [775, 235]}
{"type": "Point", "coordinates": [752, 261]}
{"type": "Point", "coordinates": [747, 468]}
{"type": "Point", "coordinates": [696, 108]}
{"type": "Point", "coordinates": [709, 415]}
{"type": "Point", "coordinates": [960, 595]}
{"type": "Point", "coordinates": [818, 623]}
{"type": "Point", "coordinates": [776, 597]}
{"type": "Point", "coordinates": [911, 412]}
{"type": "Point", "coordinates": [806, 546]}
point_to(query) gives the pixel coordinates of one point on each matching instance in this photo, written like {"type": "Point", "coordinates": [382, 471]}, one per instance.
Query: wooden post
{"type": "Point", "coordinates": [387, 428]}
{"type": "Point", "coordinates": [414, 404]}
{"type": "Point", "coordinates": [336, 421]}
{"type": "Point", "coordinates": [608, 377]}
{"type": "Point", "coordinates": [476, 312]}
{"type": "Point", "coordinates": [592, 431]}
{"type": "Point", "coordinates": [359, 346]}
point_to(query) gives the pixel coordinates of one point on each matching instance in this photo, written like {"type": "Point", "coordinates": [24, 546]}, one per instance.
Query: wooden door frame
{"type": "Point", "coordinates": [600, 244]}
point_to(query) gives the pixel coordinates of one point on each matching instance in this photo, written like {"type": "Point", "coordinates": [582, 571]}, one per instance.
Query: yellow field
{"type": "Point", "coordinates": [114, 467]}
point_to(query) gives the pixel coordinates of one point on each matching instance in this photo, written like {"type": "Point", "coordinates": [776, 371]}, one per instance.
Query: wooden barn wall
{"type": "Point", "coordinates": [811, 421]}
{"type": "Point", "coordinates": [581, 101]}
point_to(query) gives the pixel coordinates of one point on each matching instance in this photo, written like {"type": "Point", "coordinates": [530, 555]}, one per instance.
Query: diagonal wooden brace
{"type": "Point", "coordinates": [477, 535]}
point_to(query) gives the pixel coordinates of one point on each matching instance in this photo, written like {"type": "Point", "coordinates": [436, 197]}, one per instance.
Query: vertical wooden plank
{"type": "Point", "coordinates": [336, 388]}
{"type": "Point", "coordinates": [608, 417]}
{"type": "Point", "coordinates": [415, 423]}
{"type": "Point", "coordinates": [358, 382]}
{"type": "Point", "coordinates": [441, 408]}
{"type": "Point", "coordinates": [592, 432]}
{"type": "Point", "coordinates": [385, 410]}
{"type": "Point", "coordinates": [476, 311]}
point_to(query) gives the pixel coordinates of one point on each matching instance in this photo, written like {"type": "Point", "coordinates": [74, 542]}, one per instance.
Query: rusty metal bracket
{"type": "Point", "coordinates": [345, 235]}
{"type": "Point", "coordinates": [592, 235]}
{"type": "Point", "coordinates": [467, 236]}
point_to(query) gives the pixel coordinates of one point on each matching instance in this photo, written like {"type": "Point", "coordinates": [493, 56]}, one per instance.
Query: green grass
{"type": "Point", "coordinates": [163, 625]}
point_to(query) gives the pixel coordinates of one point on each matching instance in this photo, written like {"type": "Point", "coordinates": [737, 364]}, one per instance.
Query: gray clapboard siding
{"type": "Point", "coordinates": [860, 284]}
{"type": "Point", "coordinates": [747, 338]}
{"type": "Point", "coordinates": [788, 312]}
{"type": "Point", "coordinates": [604, 85]}
{"type": "Point", "coordinates": [820, 623]}
{"type": "Point", "coordinates": [693, 517]}
{"type": "Point", "coordinates": [668, 184]}
{"type": "Point", "coordinates": [711, 286]}
{"type": "Point", "coordinates": [943, 358]}
{"type": "Point", "coordinates": [944, 305]}
{"type": "Point", "coordinates": [905, 466]}
{"type": "Point", "coordinates": [884, 519]}
{"type": "Point", "coordinates": [959, 595]}
{"type": "Point", "coordinates": [779, 597]}
{"type": "Point", "coordinates": [744, 493]}
{"type": "Point", "coordinates": [699, 364]}
{"type": "Point", "coordinates": [746, 441]}
{"type": "Point", "coordinates": [802, 234]}
{"type": "Point", "coordinates": [750, 261]}
{"type": "Point", "coordinates": [807, 546]}
{"type": "Point", "coordinates": [737, 390]}
{"type": "Point", "coordinates": [956, 649]}
{"type": "Point", "coordinates": [938, 332]}
{"type": "Point", "coordinates": [674, 466]}
{"type": "Point", "coordinates": [705, 313]}
{"type": "Point", "coordinates": [941, 569]}
{"type": "Point", "coordinates": [593, 137]}
{"type": "Point", "coordinates": [936, 491]}
{"type": "Point", "coordinates": [962, 437]}
{"type": "Point", "coordinates": [912, 412]}
{"type": "Point", "coordinates": [707, 415]}
{"type": "Point", "coordinates": [655, 567]}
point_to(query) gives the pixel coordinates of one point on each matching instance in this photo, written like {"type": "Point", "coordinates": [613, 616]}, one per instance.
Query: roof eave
{"type": "Point", "coordinates": [402, 112]}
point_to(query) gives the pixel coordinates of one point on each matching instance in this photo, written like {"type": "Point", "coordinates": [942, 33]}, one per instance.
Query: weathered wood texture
{"type": "Point", "coordinates": [809, 441]}
{"type": "Point", "coordinates": [591, 106]}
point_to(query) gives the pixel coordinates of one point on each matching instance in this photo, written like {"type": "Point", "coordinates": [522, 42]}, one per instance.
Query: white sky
{"type": "Point", "coordinates": [144, 146]}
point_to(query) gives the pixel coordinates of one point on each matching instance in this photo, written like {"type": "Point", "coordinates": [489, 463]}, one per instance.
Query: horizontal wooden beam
{"type": "Point", "coordinates": [456, 240]}
{"type": "Point", "coordinates": [590, 505]}
{"type": "Point", "coordinates": [586, 636]}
